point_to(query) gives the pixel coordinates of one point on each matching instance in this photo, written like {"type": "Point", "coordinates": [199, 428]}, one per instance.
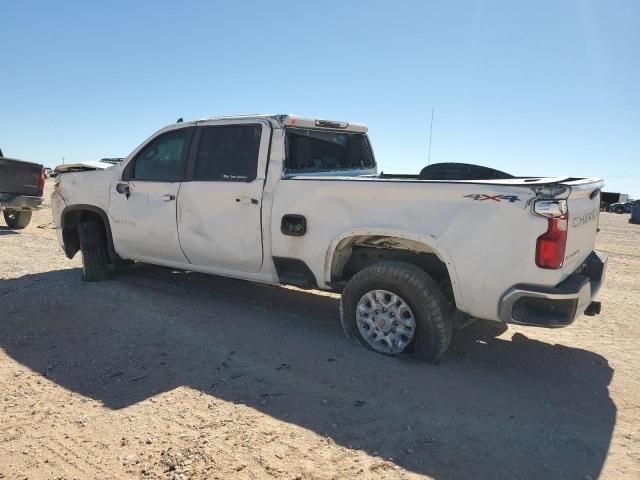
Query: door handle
{"type": "Point", "coordinates": [247, 200]}
{"type": "Point", "coordinates": [169, 197]}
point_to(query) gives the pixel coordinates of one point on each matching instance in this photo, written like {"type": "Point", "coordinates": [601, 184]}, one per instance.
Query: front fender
{"type": "Point", "coordinates": [69, 219]}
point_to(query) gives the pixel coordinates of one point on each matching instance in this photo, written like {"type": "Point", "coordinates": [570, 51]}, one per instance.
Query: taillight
{"type": "Point", "coordinates": [551, 246]}
{"type": "Point", "coordinates": [42, 179]}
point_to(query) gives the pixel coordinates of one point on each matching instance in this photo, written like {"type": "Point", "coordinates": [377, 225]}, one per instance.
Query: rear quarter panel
{"type": "Point", "coordinates": [487, 242]}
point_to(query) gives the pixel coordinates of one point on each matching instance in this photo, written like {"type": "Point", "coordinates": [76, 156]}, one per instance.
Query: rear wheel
{"type": "Point", "coordinates": [93, 245]}
{"type": "Point", "coordinates": [17, 219]}
{"type": "Point", "coordinates": [395, 307]}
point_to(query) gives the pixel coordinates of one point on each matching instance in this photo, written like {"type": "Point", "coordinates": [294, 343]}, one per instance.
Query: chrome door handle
{"type": "Point", "coordinates": [168, 197]}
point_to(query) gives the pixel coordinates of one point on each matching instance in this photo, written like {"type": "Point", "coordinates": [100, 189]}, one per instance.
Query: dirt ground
{"type": "Point", "coordinates": [174, 375]}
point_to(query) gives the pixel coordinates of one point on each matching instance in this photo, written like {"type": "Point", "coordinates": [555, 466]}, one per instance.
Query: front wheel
{"type": "Point", "coordinates": [17, 219]}
{"type": "Point", "coordinates": [395, 307]}
{"type": "Point", "coordinates": [93, 245]}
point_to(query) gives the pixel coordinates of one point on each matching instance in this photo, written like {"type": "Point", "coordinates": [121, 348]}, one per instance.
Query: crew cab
{"type": "Point", "coordinates": [21, 188]}
{"type": "Point", "coordinates": [282, 199]}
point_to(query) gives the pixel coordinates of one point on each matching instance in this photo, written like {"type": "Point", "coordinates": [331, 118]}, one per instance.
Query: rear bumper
{"type": "Point", "coordinates": [556, 306]}
{"type": "Point", "coordinates": [19, 202]}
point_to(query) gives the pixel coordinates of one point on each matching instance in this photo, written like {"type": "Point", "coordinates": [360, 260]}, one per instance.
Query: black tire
{"type": "Point", "coordinates": [17, 219]}
{"type": "Point", "coordinates": [460, 171]}
{"type": "Point", "coordinates": [93, 245]}
{"type": "Point", "coordinates": [431, 309]}
{"type": "Point", "coordinates": [619, 210]}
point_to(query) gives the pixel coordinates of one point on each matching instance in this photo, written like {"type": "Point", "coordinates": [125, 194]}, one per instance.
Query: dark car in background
{"type": "Point", "coordinates": [621, 207]}
{"type": "Point", "coordinates": [21, 188]}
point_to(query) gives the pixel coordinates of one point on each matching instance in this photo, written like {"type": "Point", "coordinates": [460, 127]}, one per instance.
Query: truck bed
{"type": "Point", "coordinates": [483, 230]}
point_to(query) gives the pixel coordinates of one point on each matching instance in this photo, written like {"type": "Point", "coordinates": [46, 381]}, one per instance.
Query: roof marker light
{"type": "Point", "coordinates": [331, 124]}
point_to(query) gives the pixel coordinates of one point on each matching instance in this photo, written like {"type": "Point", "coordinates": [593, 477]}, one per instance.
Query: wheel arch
{"type": "Point", "coordinates": [72, 216]}
{"type": "Point", "coordinates": [420, 250]}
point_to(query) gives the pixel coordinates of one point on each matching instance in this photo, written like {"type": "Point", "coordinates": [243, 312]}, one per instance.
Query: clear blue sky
{"type": "Point", "coordinates": [540, 87]}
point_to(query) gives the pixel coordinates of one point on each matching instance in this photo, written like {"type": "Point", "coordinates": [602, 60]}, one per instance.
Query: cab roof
{"type": "Point", "coordinates": [296, 121]}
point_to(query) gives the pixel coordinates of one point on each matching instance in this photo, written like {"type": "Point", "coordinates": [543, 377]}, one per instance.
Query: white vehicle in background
{"type": "Point", "coordinates": [285, 200]}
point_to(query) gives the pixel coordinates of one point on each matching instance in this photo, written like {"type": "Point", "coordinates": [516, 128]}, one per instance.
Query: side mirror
{"type": "Point", "coordinates": [123, 188]}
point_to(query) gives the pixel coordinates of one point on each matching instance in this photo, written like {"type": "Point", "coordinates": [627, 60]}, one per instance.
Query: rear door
{"type": "Point", "coordinates": [584, 212]}
{"type": "Point", "coordinates": [142, 205]}
{"type": "Point", "coordinates": [219, 206]}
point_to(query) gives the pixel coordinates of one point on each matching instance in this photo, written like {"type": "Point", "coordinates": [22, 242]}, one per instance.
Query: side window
{"type": "Point", "coordinates": [228, 153]}
{"type": "Point", "coordinates": [164, 158]}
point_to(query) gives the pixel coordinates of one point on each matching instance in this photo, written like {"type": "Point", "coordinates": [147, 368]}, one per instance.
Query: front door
{"type": "Point", "coordinates": [219, 206]}
{"type": "Point", "coordinates": [142, 206]}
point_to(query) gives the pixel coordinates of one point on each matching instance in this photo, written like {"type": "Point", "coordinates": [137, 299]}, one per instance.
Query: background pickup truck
{"type": "Point", "coordinates": [21, 186]}
{"type": "Point", "coordinates": [282, 199]}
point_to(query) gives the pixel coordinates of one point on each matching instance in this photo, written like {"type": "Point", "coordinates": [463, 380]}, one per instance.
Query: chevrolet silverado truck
{"type": "Point", "coordinates": [21, 188]}
{"type": "Point", "coordinates": [281, 199]}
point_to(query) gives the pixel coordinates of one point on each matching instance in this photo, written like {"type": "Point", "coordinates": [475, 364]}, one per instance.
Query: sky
{"type": "Point", "coordinates": [530, 88]}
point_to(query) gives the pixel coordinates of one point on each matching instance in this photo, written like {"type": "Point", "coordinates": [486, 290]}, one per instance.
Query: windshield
{"type": "Point", "coordinates": [311, 150]}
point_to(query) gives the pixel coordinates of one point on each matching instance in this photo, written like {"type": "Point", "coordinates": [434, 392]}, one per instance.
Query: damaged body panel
{"type": "Point", "coordinates": [82, 166]}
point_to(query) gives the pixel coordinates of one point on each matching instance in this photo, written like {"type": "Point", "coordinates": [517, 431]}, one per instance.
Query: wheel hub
{"type": "Point", "coordinates": [383, 323]}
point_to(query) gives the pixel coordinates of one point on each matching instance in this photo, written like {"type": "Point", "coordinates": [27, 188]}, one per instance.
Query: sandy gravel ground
{"type": "Point", "coordinates": [173, 375]}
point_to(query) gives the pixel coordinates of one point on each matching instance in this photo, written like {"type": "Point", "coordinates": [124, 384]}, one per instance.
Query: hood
{"type": "Point", "coordinates": [82, 166]}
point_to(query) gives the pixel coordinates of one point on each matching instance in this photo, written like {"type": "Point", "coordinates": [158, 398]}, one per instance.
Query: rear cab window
{"type": "Point", "coordinates": [314, 150]}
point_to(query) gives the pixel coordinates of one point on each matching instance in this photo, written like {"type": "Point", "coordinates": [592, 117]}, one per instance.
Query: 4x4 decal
{"type": "Point", "coordinates": [496, 198]}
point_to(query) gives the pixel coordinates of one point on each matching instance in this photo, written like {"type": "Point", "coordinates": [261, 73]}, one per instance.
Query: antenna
{"type": "Point", "coordinates": [430, 136]}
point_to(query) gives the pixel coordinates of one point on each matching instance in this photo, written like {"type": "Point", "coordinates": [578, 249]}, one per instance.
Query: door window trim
{"type": "Point", "coordinates": [128, 169]}
{"type": "Point", "coordinates": [195, 145]}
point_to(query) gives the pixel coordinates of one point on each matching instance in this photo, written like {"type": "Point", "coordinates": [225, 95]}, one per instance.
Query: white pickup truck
{"type": "Point", "coordinates": [286, 200]}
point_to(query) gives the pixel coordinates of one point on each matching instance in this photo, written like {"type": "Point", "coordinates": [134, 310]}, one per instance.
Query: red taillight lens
{"type": "Point", "coordinates": [551, 246]}
{"type": "Point", "coordinates": [42, 178]}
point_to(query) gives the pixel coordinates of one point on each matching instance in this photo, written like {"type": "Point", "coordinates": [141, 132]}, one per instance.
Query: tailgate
{"type": "Point", "coordinates": [584, 211]}
{"type": "Point", "coordinates": [20, 177]}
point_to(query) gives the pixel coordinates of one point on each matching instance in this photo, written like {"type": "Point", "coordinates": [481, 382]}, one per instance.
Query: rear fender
{"type": "Point", "coordinates": [411, 240]}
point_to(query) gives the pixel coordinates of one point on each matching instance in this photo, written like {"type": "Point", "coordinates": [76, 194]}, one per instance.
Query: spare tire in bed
{"type": "Point", "coordinates": [460, 171]}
